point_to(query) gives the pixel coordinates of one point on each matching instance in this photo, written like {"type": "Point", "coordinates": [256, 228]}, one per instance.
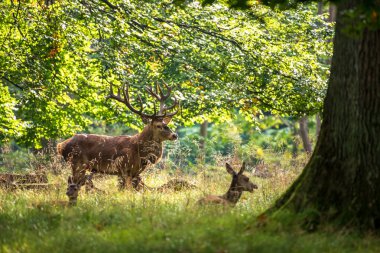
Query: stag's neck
{"type": "Point", "coordinates": [233, 194]}
{"type": "Point", "coordinates": [149, 147]}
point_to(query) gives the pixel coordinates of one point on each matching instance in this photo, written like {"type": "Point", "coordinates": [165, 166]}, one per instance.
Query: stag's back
{"type": "Point", "coordinates": [90, 146]}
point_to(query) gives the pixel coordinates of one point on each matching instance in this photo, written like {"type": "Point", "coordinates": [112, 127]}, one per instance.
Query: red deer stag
{"type": "Point", "coordinates": [239, 184]}
{"type": "Point", "coordinates": [124, 156]}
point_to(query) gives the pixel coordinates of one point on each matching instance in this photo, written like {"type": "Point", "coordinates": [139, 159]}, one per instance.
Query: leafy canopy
{"type": "Point", "coordinates": [57, 62]}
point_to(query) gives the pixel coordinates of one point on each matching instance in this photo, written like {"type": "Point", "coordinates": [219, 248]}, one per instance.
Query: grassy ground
{"type": "Point", "coordinates": [38, 221]}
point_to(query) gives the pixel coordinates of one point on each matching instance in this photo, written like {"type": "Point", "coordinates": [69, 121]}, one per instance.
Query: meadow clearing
{"type": "Point", "coordinates": [168, 221]}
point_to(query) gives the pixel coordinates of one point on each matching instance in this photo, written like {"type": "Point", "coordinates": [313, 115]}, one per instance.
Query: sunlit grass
{"type": "Point", "coordinates": [129, 221]}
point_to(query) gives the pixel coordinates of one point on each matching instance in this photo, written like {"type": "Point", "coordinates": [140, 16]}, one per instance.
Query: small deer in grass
{"type": "Point", "coordinates": [124, 156]}
{"type": "Point", "coordinates": [239, 184]}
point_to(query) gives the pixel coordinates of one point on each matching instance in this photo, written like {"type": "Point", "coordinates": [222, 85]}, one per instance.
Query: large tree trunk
{"type": "Point", "coordinates": [341, 182]}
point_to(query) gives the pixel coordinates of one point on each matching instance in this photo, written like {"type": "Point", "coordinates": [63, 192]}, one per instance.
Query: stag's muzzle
{"type": "Point", "coordinates": [174, 137]}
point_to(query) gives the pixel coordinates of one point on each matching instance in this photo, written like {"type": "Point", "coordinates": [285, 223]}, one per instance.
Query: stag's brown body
{"type": "Point", "coordinates": [124, 156]}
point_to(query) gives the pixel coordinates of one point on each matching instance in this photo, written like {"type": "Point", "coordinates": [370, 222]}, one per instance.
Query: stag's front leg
{"type": "Point", "coordinates": [89, 184]}
{"type": "Point", "coordinates": [75, 182]}
{"type": "Point", "coordinates": [138, 184]}
{"type": "Point", "coordinates": [90, 187]}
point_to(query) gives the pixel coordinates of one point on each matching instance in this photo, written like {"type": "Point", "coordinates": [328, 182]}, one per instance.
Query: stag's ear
{"type": "Point", "coordinates": [167, 120]}
{"type": "Point", "coordinates": [145, 120]}
{"type": "Point", "coordinates": [242, 169]}
{"type": "Point", "coordinates": [230, 169]}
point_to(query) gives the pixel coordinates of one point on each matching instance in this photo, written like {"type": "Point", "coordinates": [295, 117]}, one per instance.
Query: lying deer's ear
{"type": "Point", "coordinates": [230, 169]}
{"type": "Point", "coordinates": [167, 120]}
{"type": "Point", "coordinates": [145, 120]}
{"type": "Point", "coordinates": [242, 169]}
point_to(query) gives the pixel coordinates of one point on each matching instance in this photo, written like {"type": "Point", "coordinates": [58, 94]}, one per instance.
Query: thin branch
{"type": "Point", "coordinates": [14, 84]}
{"type": "Point", "coordinates": [112, 6]}
{"type": "Point", "coordinates": [211, 33]}
{"type": "Point", "coordinates": [15, 17]}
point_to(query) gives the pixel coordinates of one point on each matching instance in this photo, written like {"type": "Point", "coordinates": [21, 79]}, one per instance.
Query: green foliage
{"type": "Point", "coordinates": [45, 66]}
{"type": "Point", "coordinates": [263, 142]}
{"type": "Point", "coordinates": [15, 161]}
{"type": "Point", "coordinates": [9, 125]}
{"type": "Point", "coordinates": [362, 14]}
{"type": "Point", "coordinates": [57, 62]}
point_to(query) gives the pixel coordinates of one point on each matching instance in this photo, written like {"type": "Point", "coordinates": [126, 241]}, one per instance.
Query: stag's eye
{"type": "Point", "coordinates": [166, 127]}
{"type": "Point", "coordinates": [159, 127]}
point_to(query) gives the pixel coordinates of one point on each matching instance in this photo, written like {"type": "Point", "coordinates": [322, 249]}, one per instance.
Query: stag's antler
{"type": "Point", "coordinates": [125, 90]}
{"type": "Point", "coordinates": [161, 98]}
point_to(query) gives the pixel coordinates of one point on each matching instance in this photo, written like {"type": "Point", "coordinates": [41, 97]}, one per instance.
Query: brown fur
{"type": "Point", "coordinates": [125, 156]}
{"type": "Point", "coordinates": [239, 184]}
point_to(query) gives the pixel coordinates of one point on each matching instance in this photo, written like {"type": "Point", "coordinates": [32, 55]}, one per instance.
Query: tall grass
{"type": "Point", "coordinates": [129, 221]}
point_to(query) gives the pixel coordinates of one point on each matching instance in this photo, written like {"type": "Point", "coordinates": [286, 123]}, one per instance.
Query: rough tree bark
{"type": "Point", "coordinates": [341, 182]}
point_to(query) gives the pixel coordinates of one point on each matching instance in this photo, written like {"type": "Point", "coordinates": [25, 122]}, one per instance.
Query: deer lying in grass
{"type": "Point", "coordinates": [124, 156]}
{"type": "Point", "coordinates": [239, 184]}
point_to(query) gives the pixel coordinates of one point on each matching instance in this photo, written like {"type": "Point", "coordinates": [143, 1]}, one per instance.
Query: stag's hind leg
{"type": "Point", "coordinates": [75, 182]}
{"type": "Point", "coordinates": [128, 182]}
{"type": "Point", "coordinates": [125, 182]}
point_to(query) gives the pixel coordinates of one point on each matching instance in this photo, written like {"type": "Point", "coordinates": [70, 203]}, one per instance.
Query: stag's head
{"type": "Point", "coordinates": [240, 182]}
{"type": "Point", "coordinates": [156, 123]}
{"type": "Point", "coordinates": [161, 130]}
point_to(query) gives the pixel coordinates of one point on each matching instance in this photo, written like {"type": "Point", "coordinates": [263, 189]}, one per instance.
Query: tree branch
{"type": "Point", "coordinates": [112, 6]}
{"type": "Point", "coordinates": [14, 84]}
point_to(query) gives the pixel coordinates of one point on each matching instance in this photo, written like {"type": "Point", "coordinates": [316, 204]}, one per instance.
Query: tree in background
{"type": "Point", "coordinates": [202, 141]}
{"type": "Point", "coordinates": [304, 133]}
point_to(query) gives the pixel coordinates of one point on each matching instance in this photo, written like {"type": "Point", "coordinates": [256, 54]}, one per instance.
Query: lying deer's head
{"type": "Point", "coordinates": [156, 123]}
{"type": "Point", "coordinates": [240, 182]}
